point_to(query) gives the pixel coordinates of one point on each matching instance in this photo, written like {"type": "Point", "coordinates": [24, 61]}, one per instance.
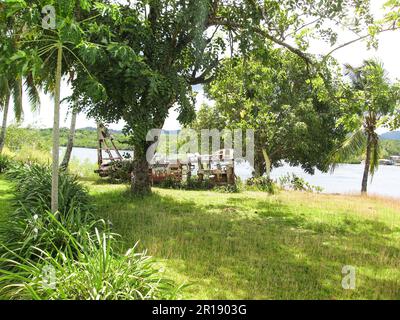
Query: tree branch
{"type": "Point", "coordinates": [233, 25]}
{"type": "Point", "coordinates": [356, 40]}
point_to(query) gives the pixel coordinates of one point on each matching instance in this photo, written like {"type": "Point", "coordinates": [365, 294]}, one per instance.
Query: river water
{"type": "Point", "coordinates": [345, 179]}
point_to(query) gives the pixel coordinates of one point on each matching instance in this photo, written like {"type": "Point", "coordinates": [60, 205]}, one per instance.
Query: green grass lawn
{"type": "Point", "coordinates": [256, 246]}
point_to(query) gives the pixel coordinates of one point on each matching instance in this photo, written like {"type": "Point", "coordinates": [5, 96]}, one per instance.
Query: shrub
{"type": "Point", "coordinates": [121, 172]}
{"type": "Point", "coordinates": [231, 188]}
{"type": "Point", "coordinates": [28, 226]}
{"type": "Point", "coordinates": [296, 183]}
{"type": "Point", "coordinates": [264, 184]}
{"type": "Point", "coordinates": [19, 138]}
{"type": "Point", "coordinates": [193, 183]}
{"type": "Point", "coordinates": [93, 272]}
{"type": "Point", "coordinates": [33, 189]}
{"type": "Point", "coordinates": [169, 183]}
{"type": "Point", "coordinates": [4, 163]}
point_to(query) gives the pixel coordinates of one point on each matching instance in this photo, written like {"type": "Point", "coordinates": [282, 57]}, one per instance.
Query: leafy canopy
{"type": "Point", "coordinates": [292, 111]}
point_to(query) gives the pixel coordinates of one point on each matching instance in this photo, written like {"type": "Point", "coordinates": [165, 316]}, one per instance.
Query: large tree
{"type": "Point", "coordinates": [292, 110]}
{"type": "Point", "coordinates": [48, 46]}
{"type": "Point", "coordinates": [371, 103]}
{"type": "Point", "coordinates": [171, 45]}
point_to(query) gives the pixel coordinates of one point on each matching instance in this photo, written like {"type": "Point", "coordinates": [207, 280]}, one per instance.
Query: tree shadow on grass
{"type": "Point", "coordinates": [255, 249]}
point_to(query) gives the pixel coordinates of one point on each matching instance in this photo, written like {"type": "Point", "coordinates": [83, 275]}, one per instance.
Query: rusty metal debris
{"type": "Point", "coordinates": [218, 168]}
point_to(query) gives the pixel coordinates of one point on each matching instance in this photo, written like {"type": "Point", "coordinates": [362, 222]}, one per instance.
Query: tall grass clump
{"type": "Point", "coordinates": [28, 226]}
{"type": "Point", "coordinates": [33, 186]}
{"type": "Point", "coordinates": [68, 254]}
{"type": "Point", "coordinates": [86, 269]}
{"type": "Point", "coordinates": [5, 163]}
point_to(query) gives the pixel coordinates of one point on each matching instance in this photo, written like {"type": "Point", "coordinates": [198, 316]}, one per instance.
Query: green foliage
{"type": "Point", "coordinates": [230, 188]}
{"type": "Point", "coordinates": [121, 172]}
{"type": "Point", "coordinates": [151, 53]}
{"type": "Point", "coordinates": [169, 183]}
{"type": "Point", "coordinates": [87, 268]}
{"type": "Point", "coordinates": [390, 148]}
{"type": "Point", "coordinates": [5, 163]}
{"type": "Point", "coordinates": [15, 77]}
{"type": "Point", "coordinates": [68, 247]}
{"type": "Point", "coordinates": [193, 183]}
{"type": "Point", "coordinates": [85, 170]}
{"type": "Point", "coordinates": [291, 108]}
{"type": "Point", "coordinates": [392, 17]}
{"type": "Point", "coordinates": [296, 183]}
{"type": "Point", "coordinates": [262, 184]}
{"type": "Point", "coordinates": [372, 100]}
{"type": "Point", "coordinates": [33, 183]}
{"type": "Point", "coordinates": [28, 225]}
{"type": "Point", "coordinates": [18, 138]}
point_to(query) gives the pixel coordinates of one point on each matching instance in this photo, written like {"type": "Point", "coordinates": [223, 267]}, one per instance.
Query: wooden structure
{"type": "Point", "coordinates": [218, 168]}
{"type": "Point", "coordinates": [177, 171]}
{"type": "Point", "coordinates": [106, 143]}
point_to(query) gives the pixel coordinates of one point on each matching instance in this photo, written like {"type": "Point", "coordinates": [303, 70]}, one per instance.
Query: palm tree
{"type": "Point", "coordinates": [57, 53]}
{"type": "Point", "coordinates": [12, 90]}
{"type": "Point", "coordinates": [9, 89]}
{"type": "Point", "coordinates": [374, 100]}
{"type": "Point", "coordinates": [12, 76]}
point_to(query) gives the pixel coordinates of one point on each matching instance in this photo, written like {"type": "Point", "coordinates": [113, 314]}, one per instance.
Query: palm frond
{"type": "Point", "coordinates": [4, 91]}
{"type": "Point", "coordinates": [355, 143]}
{"type": "Point", "coordinates": [17, 98]}
{"type": "Point", "coordinates": [33, 93]}
{"type": "Point", "coordinates": [375, 156]}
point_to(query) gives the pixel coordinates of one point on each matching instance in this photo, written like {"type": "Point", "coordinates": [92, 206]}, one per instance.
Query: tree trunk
{"type": "Point", "coordinates": [141, 184]}
{"type": "Point", "coordinates": [70, 144]}
{"type": "Point", "coordinates": [364, 186]}
{"type": "Point", "coordinates": [259, 166]}
{"type": "Point", "coordinates": [4, 125]}
{"type": "Point", "coordinates": [56, 134]}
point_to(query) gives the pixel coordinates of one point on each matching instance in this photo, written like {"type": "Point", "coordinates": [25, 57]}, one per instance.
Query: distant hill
{"type": "Point", "coordinates": [95, 129]}
{"type": "Point", "coordinates": [88, 129]}
{"type": "Point", "coordinates": [393, 135]}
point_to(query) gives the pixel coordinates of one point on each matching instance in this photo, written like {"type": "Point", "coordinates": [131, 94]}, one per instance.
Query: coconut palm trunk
{"type": "Point", "coordinates": [56, 133]}
{"type": "Point", "coordinates": [70, 144]}
{"type": "Point", "coordinates": [367, 167]}
{"type": "Point", "coordinates": [4, 124]}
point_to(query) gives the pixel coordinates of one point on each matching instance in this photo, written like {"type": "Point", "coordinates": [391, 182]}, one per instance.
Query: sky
{"type": "Point", "coordinates": [388, 52]}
